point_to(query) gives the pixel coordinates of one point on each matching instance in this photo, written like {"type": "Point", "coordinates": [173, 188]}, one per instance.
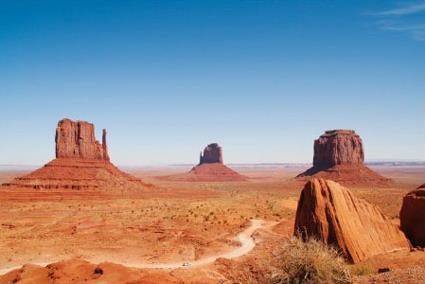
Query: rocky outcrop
{"type": "Point", "coordinates": [412, 216]}
{"type": "Point", "coordinates": [76, 139]}
{"type": "Point", "coordinates": [337, 147]}
{"type": "Point", "coordinates": [331, 213]}
{"type": "Point", "coordinates": [81, 163]}
{"type": "Point", "coordinates": [213, 153]}
{"type": "Point", "coordinates": [209, 169]}
{"type": "Point", "coordinates": [339, 156]}
{"type": "Point", "coordinates": [76, 270]}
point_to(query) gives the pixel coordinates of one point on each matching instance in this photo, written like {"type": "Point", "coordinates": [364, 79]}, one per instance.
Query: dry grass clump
{"type": "Point", "coordinates": [311, 262]}
{"type": "Point", "coordinates": [362, 269]}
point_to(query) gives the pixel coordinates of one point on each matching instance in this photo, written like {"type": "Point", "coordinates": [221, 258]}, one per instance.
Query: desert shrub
{"type": "Point", "coordinates": [362, 270]}
{"type": "Point", "coordinates": [311, 262]}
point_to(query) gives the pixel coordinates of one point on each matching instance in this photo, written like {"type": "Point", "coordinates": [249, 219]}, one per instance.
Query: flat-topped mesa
{"type": "Point", "coordinates": [339, 156]}
{"type": "Point", "coordinates": [76, 139]}
{"type": "Point", "coordinates": [212, 154]}
{"type": "Point", "coordinates": [338, 147]}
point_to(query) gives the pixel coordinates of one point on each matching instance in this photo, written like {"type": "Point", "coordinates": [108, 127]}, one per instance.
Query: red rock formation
{"type": "Point", "coordinates": [76, 139]}
{"type": "Point", "coordinates": [214, 172]}
{"type": "Point", "coordinates": [412, 216]}
{"type": "Point", "coordinates": [212, 154]}
{"type": "Point", "coordinates": [337, 147]}
{"type": "Point", "coordinates": [339, 155]}
{"type": "Point", "coordinates": [209, 169]}
{"type": "Point", "coordinates": [81, 163]}
{"type": "Point", "coordinates": [81, 271]}
{"type": "Point", "coordinates": [331, 213]}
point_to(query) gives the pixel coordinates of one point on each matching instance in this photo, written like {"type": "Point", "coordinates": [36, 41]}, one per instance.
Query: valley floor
{"type": "Point", "coordinates": [177, 223]}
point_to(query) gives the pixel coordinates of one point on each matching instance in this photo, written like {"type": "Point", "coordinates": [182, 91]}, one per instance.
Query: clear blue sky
{"type": "Point", "coordinates": [262, 78]}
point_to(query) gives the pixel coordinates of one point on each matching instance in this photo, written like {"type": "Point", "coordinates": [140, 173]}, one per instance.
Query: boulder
{"type": "Point", "coordinates": [331, 213]}
{"type": "Point", "coordinates": [412, 216]}
{"type": "Point", "coordinates": [213, 153]}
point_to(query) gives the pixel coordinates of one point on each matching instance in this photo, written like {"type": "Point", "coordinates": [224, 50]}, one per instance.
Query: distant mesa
{"type": "Point", "coordinates": [412, 214]}
{"type": "Point", "coordinates": [359, 230]}
{"type": "Point", "coordinates": [81, 163]}
{"type": "Point", "coordinates": [339, 156]}
{"type": "Point", "coordinates": [212, 154]}
{"type": "Point", "coordinates": [209, 169]}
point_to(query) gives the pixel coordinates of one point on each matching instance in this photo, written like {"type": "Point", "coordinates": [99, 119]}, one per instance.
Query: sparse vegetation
{"type": "Point", "coordinates": [362, 270]}
{"type": "Point", "coordinates": [311, 262]}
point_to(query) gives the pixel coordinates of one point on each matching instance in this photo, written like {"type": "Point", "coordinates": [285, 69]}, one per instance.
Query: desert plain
{"type": "Point", "coordinates": [178, 232]}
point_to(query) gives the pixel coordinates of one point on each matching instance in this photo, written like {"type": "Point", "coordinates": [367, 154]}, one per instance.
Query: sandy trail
{"type": "Point", "coordinates": [244, 237]}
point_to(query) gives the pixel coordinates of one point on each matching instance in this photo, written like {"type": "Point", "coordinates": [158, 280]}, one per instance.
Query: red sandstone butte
{"type": "Point", "coordinates": [209, 169]}
{"type": "Point", "coordinates": [331, 213]}
{"type": "Point", "coordinates": [412, 216]}
{"type": "Point", "coordinates": [339, 156]}
{"type": "Point", "coordinates": [337, 147]}
{"type": "Point", "coordinates": [76, 139]}
{"type": "Point", "coordinates": [81, 163]}
{"type": "Point", "coordinates": [213, 153]}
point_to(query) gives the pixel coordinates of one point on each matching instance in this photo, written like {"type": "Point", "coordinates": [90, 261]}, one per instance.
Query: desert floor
{"type": "Point", "coordinates": [179, 222]}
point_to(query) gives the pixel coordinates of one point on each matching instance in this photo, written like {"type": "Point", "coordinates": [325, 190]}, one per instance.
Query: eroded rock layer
{"type": "Point", "coordinates": [331, 213]}
{"type": "Point", "coordinates": [336, 147]}
{"type": "Point", "coordinates": [76, 139]}
{"type": "Point", "coordinates": [77, 174]}
{"type": "Point", "coordinates": [412, 216]}
{"type": "Point", "coordinates": [339, 156]}
{"type": "Point", "coordinates": [81, 163]}
{"type": "Point", "coordinates": [215, 172]}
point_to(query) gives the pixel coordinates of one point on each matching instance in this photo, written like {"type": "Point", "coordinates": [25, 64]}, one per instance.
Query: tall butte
{"type": "Point", "coordinates": [210, 168]}
{"type": "Point", "coordinates": [339, 156]}
{"type": "Point", "coordinates": [81, 163]}
{"type": "Point", "coordinates": [76, 139]}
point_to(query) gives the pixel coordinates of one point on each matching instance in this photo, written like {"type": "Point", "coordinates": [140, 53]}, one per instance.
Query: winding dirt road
{"type": "Point", "coordinates": [244, 237]}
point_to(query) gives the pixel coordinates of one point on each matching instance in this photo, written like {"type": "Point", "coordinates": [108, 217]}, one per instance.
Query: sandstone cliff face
{"type": "Point", "coordinates": [331, 213]}
{"type": "Point", "coordinates": [339, 156]}
{"type": "Point", "coordinates": [213, 153]}
{"type": "Point", "coordinates": [76, 139]}
{"type": "Point", "coordinates": [336, 147]}
{"type": "Point", "coordinates": [412, 216]}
